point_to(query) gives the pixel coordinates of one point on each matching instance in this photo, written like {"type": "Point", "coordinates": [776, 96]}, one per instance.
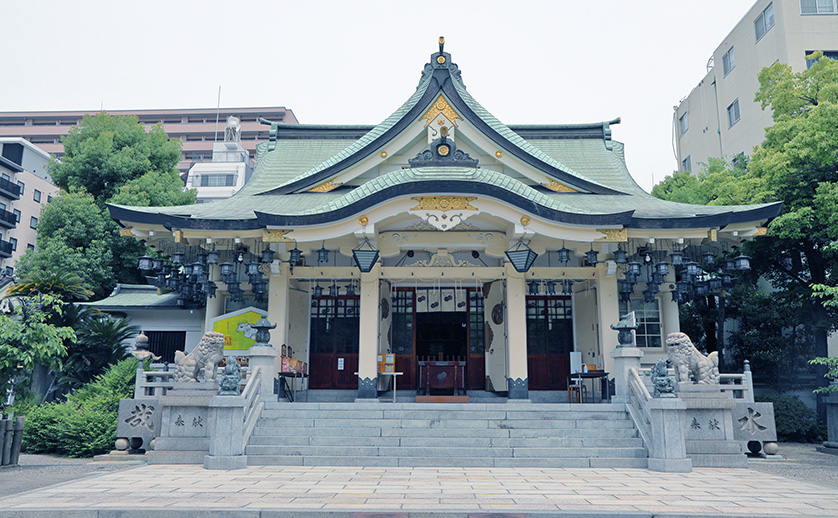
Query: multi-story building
{"type": "Point", "coordinates": [25, 187]}
{"type": "Point", "coordinates": [196, 128]}
{"type": "Point", "coordinates": [719, 118]}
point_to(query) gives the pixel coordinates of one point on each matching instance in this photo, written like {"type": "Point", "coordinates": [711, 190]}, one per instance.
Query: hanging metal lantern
{"type": "Point", "coordinates": [727, 280]}
{"type": "Point", "coordinates": [226, 268]}
{"type": "Point", "coordinates": [212, 257]}
{"type": "Point", "coordinates": [323, 255]}
{"type": "Point", "coordinates": [202, 258]}
{"type": "Point", "coordinates": [714, 284]}
{"type": "Point", "coordinates": [333, 290]}
{"type": "Point", "coordinates": [631, 278]}
{"type": "Point", "coordinates": [708, 257]}
{"type": "Point", "coordinates": [157, 264]}
{"type": "Point", "coordinates": [626, 287]}
{"type": "Point", "coordinates": [160, 281]}
{"type": "Point", "coordinates": [146, 263]}
{"type": "Point", "coordinates": [591, 256]}
{"type": "Point", "coordinates": [521, 258]}
{"type": "Point", "coordinates": [677, 257]}
{"type": "Point", "coordinates": [658, 278]}
{"type": "Point", "coordinates": [296, 256]}
{"type": "Point", "coordinates": [730, 265]}
{"type": "Point", "coordinates": [166, 270]}
{"type": "Point", "coordinates": [318, 291]}
{"type": "Point", "coordinates": [267, 256]}
{"type": "Point", "coordinates": [620, 256]}
{"type": "Point", "coordinates": [236, 296]}
{"type": "Point", "coordinates": [701, 289]}
{"type": "Point", "coordinates": [198, 268]}
{"type": "Point", "coordinates": [653, 288]}
{"type": "Point", "coordinates": [551, 288]}
{"type": "Point", "coordinates": [252, 268]}
{"type": "Point", "coordinates": [211, 289]}
{"type": "Point", "coordinates": [350, 289]}
{"type": "Point", "coordinates": [743, 262]}
{"type": "Point", "coordinates": [563, 254]}
{"type": "Point", "coordinates": [648, 296]}
{"type": "Point", "coordinates": [177, 258]}
{"type": "Point", "coordinates": [692, 268]}
{"type": "Point", "coordinates": [233, 286]}
{"type": "Point", "coordinates": [533, 287]}
{"type": "Point", "coordinates": [662, 269]}
{"type": "Point", "coordinates": [684, 288]}
{"type": "Point", "coordinates": [259, 288]}
{"type": "Point", "coordinates": [187, 269]}
{"type": "Point", "coordinates": [567, 287]}
{"type": "Point", "coordinates": [634, 268]}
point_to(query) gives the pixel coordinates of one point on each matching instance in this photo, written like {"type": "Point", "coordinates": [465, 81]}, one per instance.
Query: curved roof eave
{"type": "Point", "coordinates": [765, 213]}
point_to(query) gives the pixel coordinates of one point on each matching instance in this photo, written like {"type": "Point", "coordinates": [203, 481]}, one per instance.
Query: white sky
{"type": "Point", "coordinates": [355, 62]}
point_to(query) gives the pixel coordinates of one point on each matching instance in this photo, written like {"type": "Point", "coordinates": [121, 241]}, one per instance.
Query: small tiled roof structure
{"type": "Point", "coordinates": [134, 296]}
{"type": "Point", "coordinates": [582, 158]}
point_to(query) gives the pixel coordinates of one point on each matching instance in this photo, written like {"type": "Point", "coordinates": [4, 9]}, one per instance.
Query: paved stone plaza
{"type": "Point", "coordinates": [179, 490]}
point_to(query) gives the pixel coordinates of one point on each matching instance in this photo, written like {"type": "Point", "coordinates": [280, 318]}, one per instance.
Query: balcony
{"type": "Point", "coordinates": [9, 190]}
{"type": "Point", "coordinates": [7, 219]}
{"type": "Point", "coordinates": [5, 249]}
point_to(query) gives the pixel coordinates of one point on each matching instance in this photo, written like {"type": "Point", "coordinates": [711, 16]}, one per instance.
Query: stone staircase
{"type": "Point", "coordinates": [510, 434]}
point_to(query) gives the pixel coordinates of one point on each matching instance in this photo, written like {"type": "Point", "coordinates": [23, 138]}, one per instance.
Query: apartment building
{"type": "Point", "coordinates": [25, 187]}
{"type": "Point", "coordinates": [719, 117]}
{"type": "Point", "coordinates": [197, 129]}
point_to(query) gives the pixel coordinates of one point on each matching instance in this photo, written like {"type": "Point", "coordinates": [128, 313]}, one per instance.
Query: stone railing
{"type": "Point", "coordinates": [153, 383]}
{"type": "Point", "coordinates": [638, 406]}
{"type": "Point", "coordinates": [253, 404]}
{"type": "Point", "coordinates": [741, 386]}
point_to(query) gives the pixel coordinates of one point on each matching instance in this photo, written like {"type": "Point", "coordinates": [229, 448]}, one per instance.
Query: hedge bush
{"type": "Point", "coordinates": [85, 424]}
{"type": "Point", "coordinates": [795, 421]}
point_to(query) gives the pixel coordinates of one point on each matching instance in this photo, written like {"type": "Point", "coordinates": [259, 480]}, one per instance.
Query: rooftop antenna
{"type": "Point", "coordinates": [217, 112]}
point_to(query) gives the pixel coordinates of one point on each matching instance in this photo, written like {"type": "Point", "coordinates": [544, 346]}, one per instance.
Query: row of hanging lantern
{"type": "Point", "coordinates": [191, 279]}
{"type": "Point", "coordinates": [694, 280]}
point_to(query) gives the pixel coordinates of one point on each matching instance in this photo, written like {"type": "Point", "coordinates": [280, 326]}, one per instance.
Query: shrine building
{"type": "Point", "coordinates": [444, 234]}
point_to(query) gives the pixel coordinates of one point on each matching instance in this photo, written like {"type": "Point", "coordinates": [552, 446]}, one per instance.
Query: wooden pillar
{"type": "Point", "coordinates": [278, 288]}
{"type": "Point", "coordinates": [368, 340]}
{"type": "Point", "coordinates": [608, 312]}
{"type": "Point", "coordinates": [516, 333]}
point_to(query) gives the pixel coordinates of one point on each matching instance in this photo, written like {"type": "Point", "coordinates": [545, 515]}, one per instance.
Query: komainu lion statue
{"type": "Point", "coordinates": [689, 363]}
{"type": "Point", "coordinates": [205, 357]}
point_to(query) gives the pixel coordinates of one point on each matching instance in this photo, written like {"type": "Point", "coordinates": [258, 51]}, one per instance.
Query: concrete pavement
{"type": "Point", "coordinates": [263, 492]}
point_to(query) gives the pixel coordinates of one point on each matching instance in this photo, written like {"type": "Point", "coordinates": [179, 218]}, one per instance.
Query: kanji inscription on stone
{"type": "Point", "coordinates": [749, 422]}
{"type": "Point", "coordinates": [179, 421]}
{"type": "Point", "coordinates": [197, 421]}
{"type": "Point", "coordinates": [695, 425]}
{"type": "Point", "coordinates": [141, 416]}
{"type": "Point", "coordinates": [714, 424]}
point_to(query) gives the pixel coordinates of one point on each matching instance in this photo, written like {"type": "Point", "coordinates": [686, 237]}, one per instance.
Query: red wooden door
{"type": "Point", "coordinates": [335, 332]}
{"type": "Point", "coordinates": [549, 341]}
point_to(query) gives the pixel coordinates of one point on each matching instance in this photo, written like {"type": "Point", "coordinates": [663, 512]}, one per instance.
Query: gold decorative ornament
{"type": "Point", "coordinates": [553, 185]}
{"type": "Point", "coordinates": [383, 154]}
{"type": "Point", "coordinates": [444, 203]}
{"type": "Point", "coordinates": [126, 232]}
{"type": "Point", "coordinates": [440, 59]}
{"type": "Point", "coordinates": [499, 154]}
{"type": "Point", "coordinates": [713, 234]}
{"type": "Point", "coordinates": [443, 131]}
{"type": "Point", "coordinates": [443, 150]}
{"type": "Point", "coordinates": [363, 220]}
{"type": "Point", "coordinates": [614, 234]}
{"type": "Point", "coordinates": [441, 122]}
{"type": "Point", "coordinates": [761, 231]}
{"type": "Point", "coordinates": [325, 186]}
{"type": "Point", "coordinates": [525, 220]}
{"type": "Point", "coordinates": [178, 235]}
{"type": "Point", "coordinates": [442, 39]}
{"type": "Point", "coordinates": [440, 107]}
{"type": "Point", "coordinates": [275, 235]}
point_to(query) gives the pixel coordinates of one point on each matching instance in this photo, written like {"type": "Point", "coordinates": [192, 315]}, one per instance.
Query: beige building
{"type": "Point", "coordinates": [196, 128]}
{"type": "Point", "coordinates": [25, 187]}
{"type": "Point", "coordinates": [719, 117]}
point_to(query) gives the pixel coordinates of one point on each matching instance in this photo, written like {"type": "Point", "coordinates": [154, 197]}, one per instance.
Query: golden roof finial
{"type": "Point", "coordinates": [441, 43]}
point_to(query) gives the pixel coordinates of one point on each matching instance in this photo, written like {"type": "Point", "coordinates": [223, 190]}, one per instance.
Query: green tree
{"type": "Point", "coordinates": [107, 160]}
{"type": "Point", "coordinates": [28, 338]}
{"type": "Point", "coordinates": [64, 285]}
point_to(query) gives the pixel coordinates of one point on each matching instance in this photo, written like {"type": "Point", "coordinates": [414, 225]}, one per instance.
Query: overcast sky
{"type": "Point", "coordinates": [355, 62]}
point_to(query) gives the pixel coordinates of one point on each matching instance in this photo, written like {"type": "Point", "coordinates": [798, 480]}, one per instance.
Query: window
{"type": "Point", "coordinates": [13, 242]}
{"type": "Point", "coordinates": [728, 61]}
{"type": "Point", "coordinates": [549, 324]}
{"type": "Point", "coordinates": [476, 323]}
{"type": "Point", "coordinates": [49, 198]}
{"type": "Point", "coordinates": [818, 7]}
{"type": "Point", "coordinates": [6, 177]}
{"type": "Point", "coordinates": [764, 21]}
{"type": "Point", "coordinates": [402, 323]}
{"type": "Point", "coordinates": [648, 317]}
{"type": "Point", "coordinates": [22, 186]}
{"type": "Point", "coordinates": [218, 180]}
{"type": "Point", "coordinates": [17, 216]}
{"type": "Point", "coordinates": [739, 161]}
{"type": "Point", "coordinates": [831, 54]}
{"type": "Point", "coordinates": [684, 123]}
{"type": "Point", "coordinates": [733, 113]}
{"type": "Point", "coordinates": [33, 222]}
{"type": "Point", "coordinates": [30, 246]}
{"type": "Point", "coordinates": [36, 195]}
{"type": "Point", "coordinates": [686, 164]}
{"type": "Point", "coordinates": [2, 206]}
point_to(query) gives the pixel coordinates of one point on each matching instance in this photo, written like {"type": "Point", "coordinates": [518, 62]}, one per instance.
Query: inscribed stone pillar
{"type": "Point", "coordinates": [516, 314]}
{"type": "Point", "coordinates": [368, 339]}
{"type": "Point", "coordinates": [608, 312]}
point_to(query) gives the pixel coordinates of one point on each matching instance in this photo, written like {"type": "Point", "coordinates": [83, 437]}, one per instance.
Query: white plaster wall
{"type": "Point", "coordinates": [189, 320]}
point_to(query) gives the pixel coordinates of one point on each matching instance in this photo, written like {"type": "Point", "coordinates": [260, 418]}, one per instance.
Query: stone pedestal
{"type": "Point", "coordinates": [708, 426]}
{"type": "Point", "coordinates": [831, 444]}
{"type": "Point", "coordinates": [139, 419]}
{"type": "Point", "coordinates": [667, 452]}
{"type": "Point", "coordinates": [624, 359]}
{"type": "Point", "coordinates": [264, 357]}
{"type": "Point", "coordinates": [184, 424]}
{"type": "Point", "coordinates": [226, 433]}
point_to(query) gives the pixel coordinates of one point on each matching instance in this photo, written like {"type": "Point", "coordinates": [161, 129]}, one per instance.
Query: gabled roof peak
{"type": "Point", "coordinates": [440, 61]}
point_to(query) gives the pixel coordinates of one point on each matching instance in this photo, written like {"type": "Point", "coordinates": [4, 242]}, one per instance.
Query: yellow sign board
{"type": "Point", "coordinates": [237, 330]}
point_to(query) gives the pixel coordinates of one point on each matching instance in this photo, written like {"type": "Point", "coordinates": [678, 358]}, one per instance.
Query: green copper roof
{"type": "Point", "coordinates": [134, 296]}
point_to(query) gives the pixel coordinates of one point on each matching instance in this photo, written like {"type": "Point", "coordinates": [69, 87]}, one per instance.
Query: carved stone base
{"type": "Point", "coordinates": [367, 388]}
{"type": "Point", "coordinates": [518, 388]}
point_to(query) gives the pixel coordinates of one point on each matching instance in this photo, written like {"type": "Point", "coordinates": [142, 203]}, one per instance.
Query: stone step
{"type": "Point", "coordinates": [443, 434]}
{"type": "Point", "coordinates": [457, 442]}
{"type": "Point", "coordinates": [487, 462]}
{"type": "Point", "coordinates": [442, 451]}
{"type": "Point", "coordinates": [474, 424]}
{"type": "Point", "coordinates": [437, 414]}
{"type": "Point", "coordinates": [448, 407]}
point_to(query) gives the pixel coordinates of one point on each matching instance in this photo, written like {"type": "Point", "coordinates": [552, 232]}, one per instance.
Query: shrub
{"type": "Point", "coordinates": [795, 421]}
{"type": "Point", "coordinates": [85, 424]}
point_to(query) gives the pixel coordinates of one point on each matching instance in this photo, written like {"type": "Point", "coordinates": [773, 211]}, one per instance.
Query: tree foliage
{"type": "Point", "coordinates": [107, 160]}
